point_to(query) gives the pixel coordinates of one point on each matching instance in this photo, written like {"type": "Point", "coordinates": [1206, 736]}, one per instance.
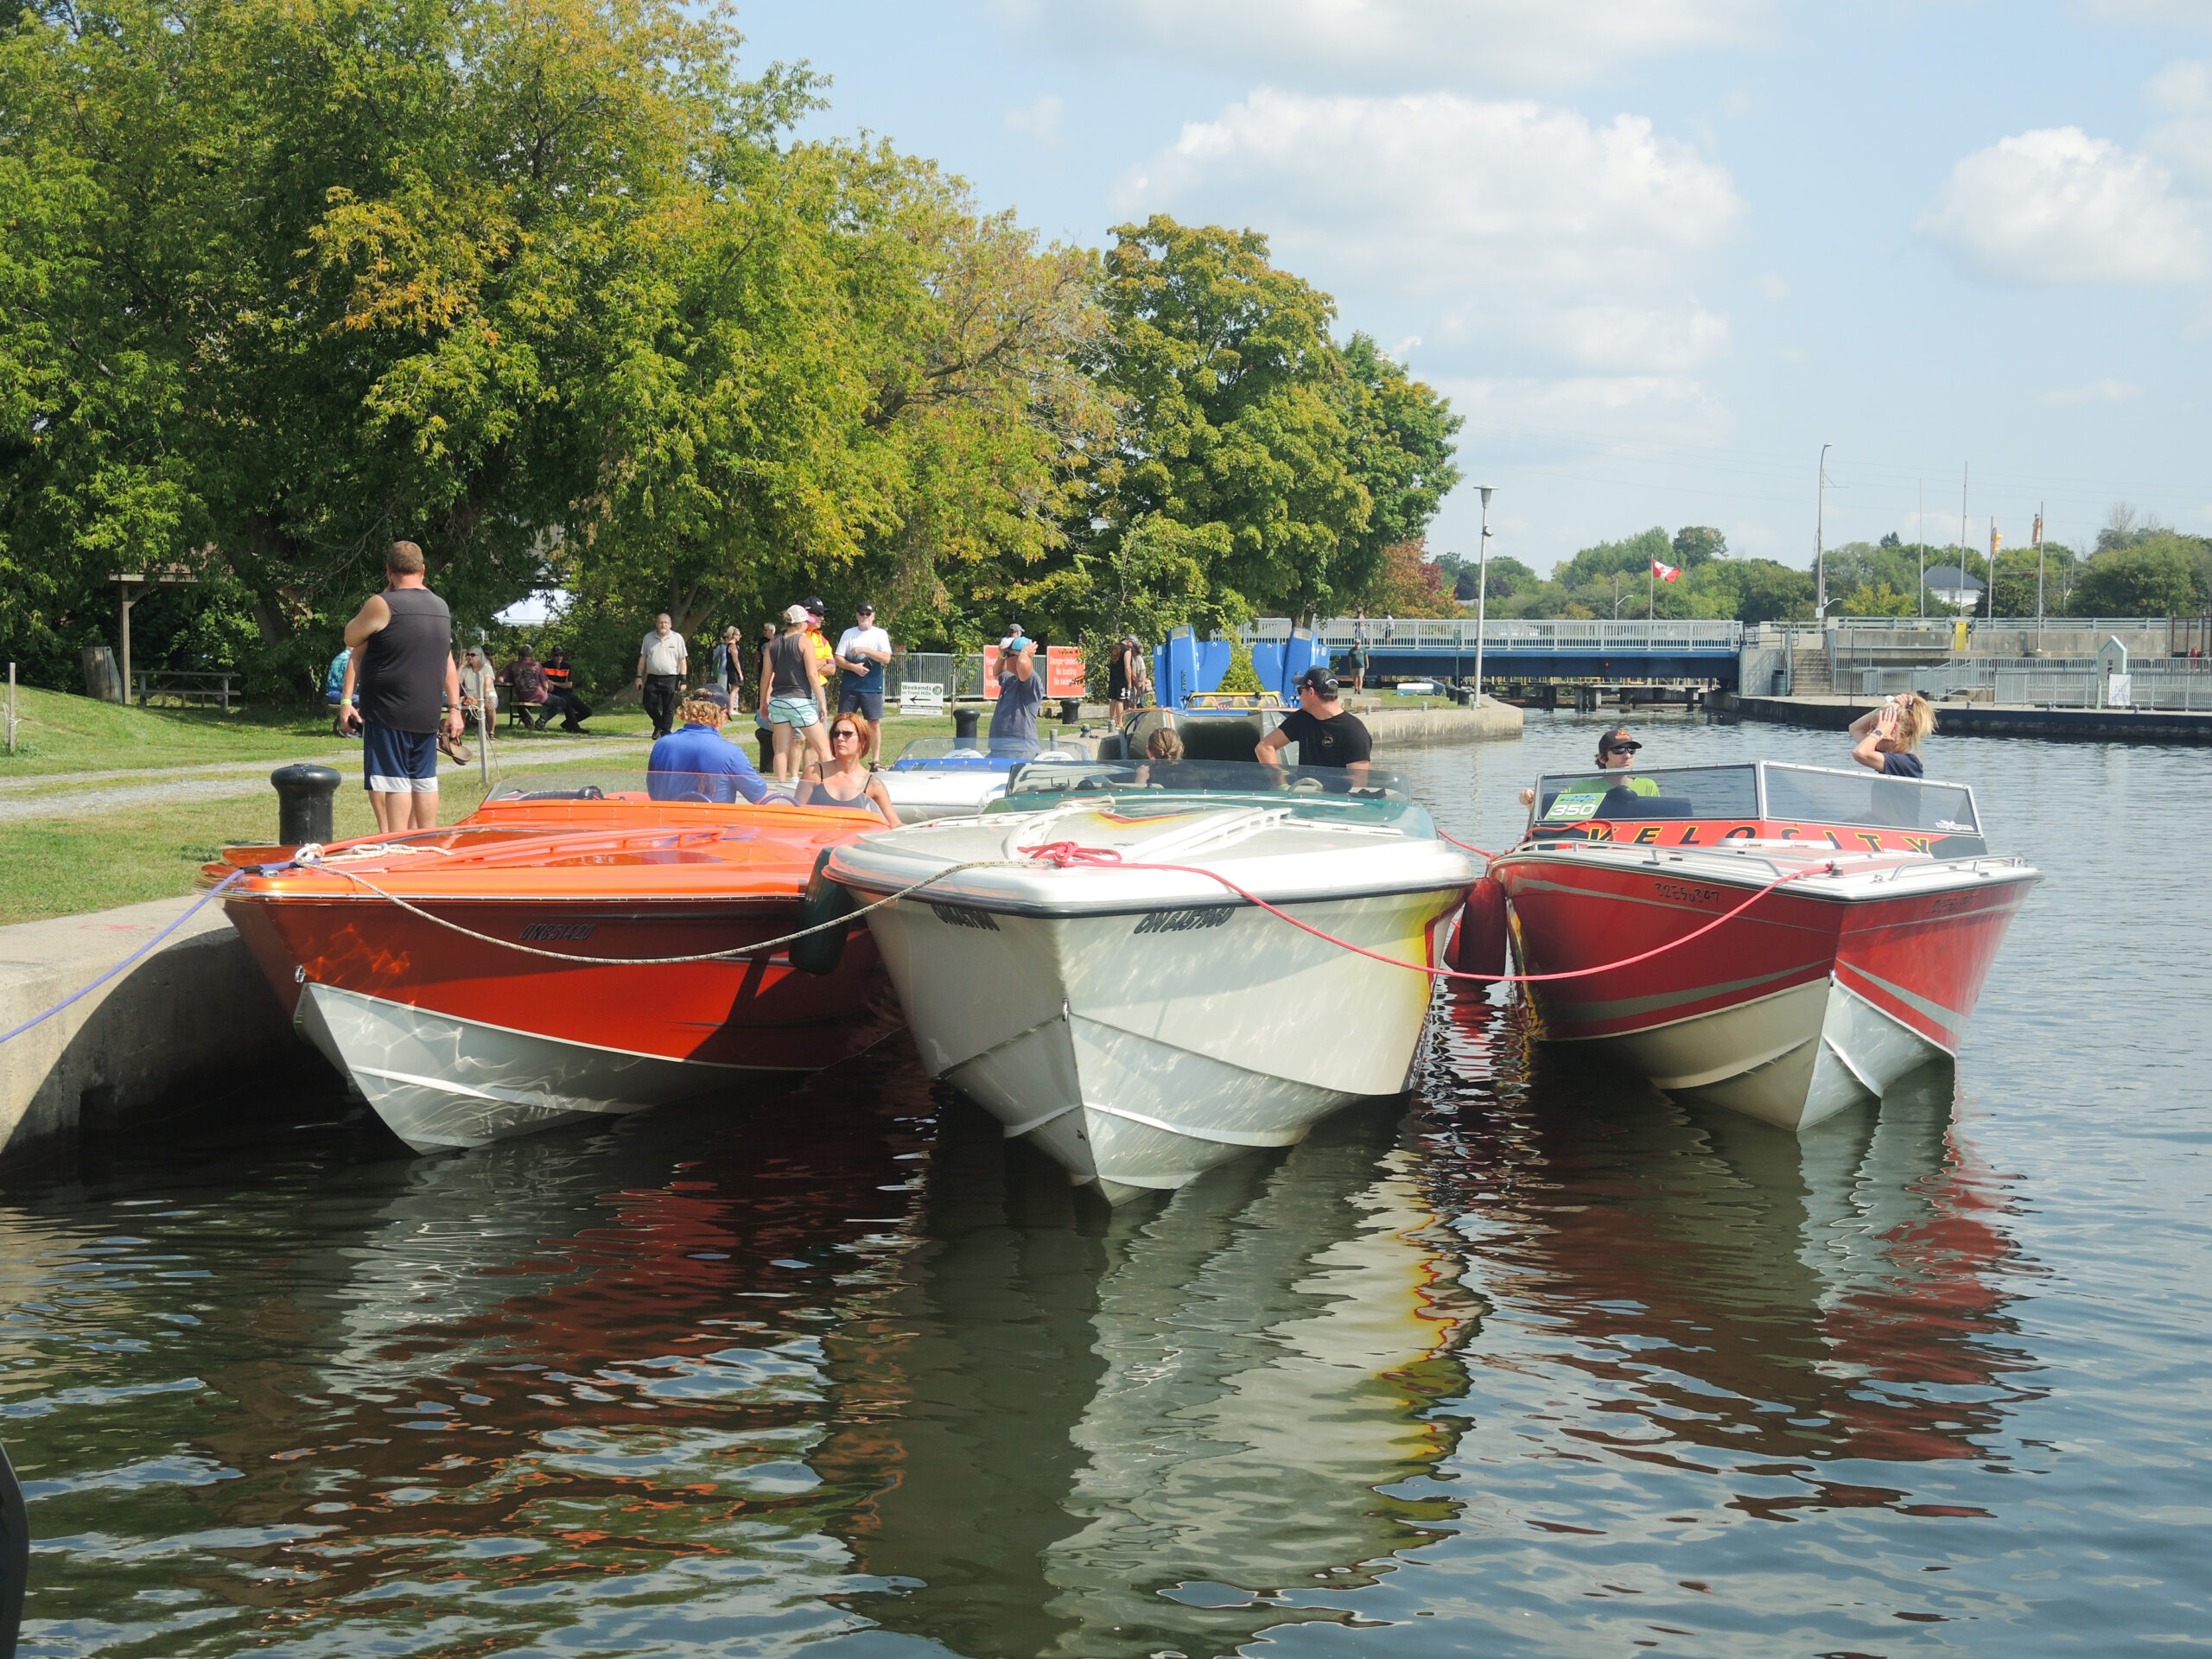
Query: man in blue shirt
{"type": "Point", "coordinates": [697, 762]}
{"type": "Point", "coordinates": [1021, 693]}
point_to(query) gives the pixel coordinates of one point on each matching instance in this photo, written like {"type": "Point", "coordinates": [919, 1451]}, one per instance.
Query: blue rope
{"type": "Point", "coordinates": [39, 1019]}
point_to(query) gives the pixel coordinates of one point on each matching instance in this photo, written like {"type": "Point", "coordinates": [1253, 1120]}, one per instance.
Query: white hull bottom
{"type": "Point", "coordinates": [1136, 1115]}
{"type": "Point", "coordinates": [1792, 1059]}
{"type": "Point", "coordinates": [1139, 1056]}
{"type": "Point", "coordinates": [439, 1081]}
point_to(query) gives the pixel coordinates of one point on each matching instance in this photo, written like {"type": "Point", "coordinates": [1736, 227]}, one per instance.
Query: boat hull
{"type": "Point", "coordinates": [1821, 996]}
{"type": "Point", "coordinates": [1139, 1067]}
{"type": "Point", "coordinates": [458, 1040]}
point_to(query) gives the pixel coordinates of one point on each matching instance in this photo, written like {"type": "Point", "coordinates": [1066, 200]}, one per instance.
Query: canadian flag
{"type": "Point", "coordinates": [1664, 572]}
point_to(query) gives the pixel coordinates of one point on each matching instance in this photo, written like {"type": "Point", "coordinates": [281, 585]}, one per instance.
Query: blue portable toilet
{"type": "Point", "coordinates": [1266, 662]}
{"type": "Point", "coordinates": [1214, 658]}
{"type": "Point", "coordinates": [1299, 652]}
{"type": "Point", "coordinates": [1178, 668]}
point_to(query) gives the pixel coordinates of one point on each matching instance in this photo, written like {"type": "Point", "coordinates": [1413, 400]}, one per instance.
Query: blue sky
{"type": "Point", "coordinates": [1657, 251]}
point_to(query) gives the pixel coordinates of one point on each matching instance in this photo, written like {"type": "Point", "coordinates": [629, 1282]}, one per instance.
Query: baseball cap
{"type": "Point", "coordinates": [713, 694]}
{"type": "Point", "coordinates": [866, 607]}
{"type": "Point", "coordinates": [1322, 682]}
{"type": "Point", "coordinates": [815, 607]}
{"type": "Point", "coordinates": [1618, 739]}
{"type": "Point", "coordinates": [795, 615]}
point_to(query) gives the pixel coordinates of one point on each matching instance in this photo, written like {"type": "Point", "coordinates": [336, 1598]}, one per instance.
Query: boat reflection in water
{"type": "Point", "coordinates": [1142, 1435]}
{"type": "Point", "coordinates": [1725, 1285]}
{"type": "Point", "coordinates": [681, 1386]}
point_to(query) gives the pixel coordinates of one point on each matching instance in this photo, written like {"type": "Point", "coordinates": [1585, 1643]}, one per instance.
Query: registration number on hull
{"type": "Point", "coordinates": [1184, 921]}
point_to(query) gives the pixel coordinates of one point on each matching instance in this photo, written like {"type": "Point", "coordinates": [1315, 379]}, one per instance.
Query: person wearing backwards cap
{"type": "Point", "coordinates": [1616, 753]}
{"type": "Point", "coordinates": [1325, 734]}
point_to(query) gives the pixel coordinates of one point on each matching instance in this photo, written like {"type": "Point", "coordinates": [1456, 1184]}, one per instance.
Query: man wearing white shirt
{"type": "Point", "coordinates": [661, 662]}
{"type": "Point", "coordinates": [862, 650]}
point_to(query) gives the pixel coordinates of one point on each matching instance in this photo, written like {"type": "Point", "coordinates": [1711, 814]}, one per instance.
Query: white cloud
{"type": "Point", "coordinates": [2185, 87]}
{"type": "Point", "coordinates": [1391, 42]}
{"type": "Point", "coordinates": [1038, 120]}
{"type": "Point", "coordinates": [1589, 412]}
{"type": "Point", "coordinates": [2056, 206]}
{"type": "Point", "coordinates": [2150, 14]}
{"type": "Point", "coordinates": [2097, 392]}
{"type": "Point", "coordinates": [1514, 217]}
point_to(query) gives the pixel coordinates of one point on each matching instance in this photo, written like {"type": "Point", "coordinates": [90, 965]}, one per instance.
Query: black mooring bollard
{"type": "Point", "coordinates": [304, 796]}
{"type": "Point", "coordinates": [964, 723]}
{"type": "Point", "coordinates": [1070, 711]}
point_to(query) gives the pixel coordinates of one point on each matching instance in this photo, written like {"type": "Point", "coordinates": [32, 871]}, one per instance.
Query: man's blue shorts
{"type": "Point", "coordinates": [399, 763]}
{"type": "Point", "coordinates": [854, 700]}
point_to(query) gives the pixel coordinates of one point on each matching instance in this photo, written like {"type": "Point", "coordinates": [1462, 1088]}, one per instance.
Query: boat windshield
{"type": "Point", "coordinates": [557, 784]}
{"type": "Point", "coordinates": [1792, 794]}
{"type": "Point", "coordinates": [1137, 785]}
{"type": "Point", "coordinates": [1819, 795]}
{"type": "Point", "coordinates": [1666, 792]}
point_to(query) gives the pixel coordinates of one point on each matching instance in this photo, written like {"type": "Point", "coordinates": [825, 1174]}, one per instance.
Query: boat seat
{"type": "Point", "coordinates": [1646, 806]}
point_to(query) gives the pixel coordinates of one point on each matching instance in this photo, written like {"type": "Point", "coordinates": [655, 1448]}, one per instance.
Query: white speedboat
{"type": "Point", "coordinates": [1144, 1023]}
{"type": "Point", "coordinates": [949, 777]}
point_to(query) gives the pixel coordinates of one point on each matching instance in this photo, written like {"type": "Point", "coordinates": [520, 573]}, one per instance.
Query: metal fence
{"type": "Point", "coordinates": [960, 676]}
{"type": "Point", "coordinates": [1336, 634]}
{"type": "Point", "coordinates": [2066, 684]}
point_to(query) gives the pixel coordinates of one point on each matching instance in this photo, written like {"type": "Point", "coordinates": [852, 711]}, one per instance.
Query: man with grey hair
{"type": "Point", "coordinates": [662, 664]}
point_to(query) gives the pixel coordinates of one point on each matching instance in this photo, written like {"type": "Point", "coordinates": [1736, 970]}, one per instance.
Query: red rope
{"type": "Point", "coordinates": [1468, 847]}
{"type": "Point", "coordinates": [1064, 853]}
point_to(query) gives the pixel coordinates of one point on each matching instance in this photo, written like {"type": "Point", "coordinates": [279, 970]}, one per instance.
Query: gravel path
{"type": "Point", "coordinates": [90, 795]}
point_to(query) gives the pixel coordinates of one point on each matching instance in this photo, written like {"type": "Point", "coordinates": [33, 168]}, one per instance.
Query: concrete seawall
{"type": "Point", "coordinates": [1990, 719]}
{"type": "Point", "coordinates": [196, 1008]}
{"type": "Point", "coordinates": [1395, 728]}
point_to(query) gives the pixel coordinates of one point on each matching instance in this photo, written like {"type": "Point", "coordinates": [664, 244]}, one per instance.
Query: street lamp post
{"type": "Point", "coordinates": [1820, 543]}
{"type": "Point", "coordinates": [1482, 591]}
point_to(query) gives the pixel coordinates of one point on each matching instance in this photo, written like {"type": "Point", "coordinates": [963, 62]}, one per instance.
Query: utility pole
{"type": "Point", "coordinates": [2039, 563]}
{"type": "Point", "coordinates": [1482, 591]}
{"type": "Point", "coordinates": [1964, 475]}
{"type": "Point", "coordinates": [1820, 543]}
{"type": "Point", "coordinates": [1920, 549]}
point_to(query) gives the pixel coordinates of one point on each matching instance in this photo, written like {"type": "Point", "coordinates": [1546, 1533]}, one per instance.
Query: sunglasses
{"type": "Point", "coordinates": [844, 731]}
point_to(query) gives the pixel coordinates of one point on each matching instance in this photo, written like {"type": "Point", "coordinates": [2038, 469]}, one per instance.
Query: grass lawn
{"type": "Point", "coordinates": [58, 734]}
{"type": "Point", "coordinates": [63, 866]}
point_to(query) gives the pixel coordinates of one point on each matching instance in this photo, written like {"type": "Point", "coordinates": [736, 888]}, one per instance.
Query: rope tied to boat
{"type": "Point", "coordinates": [86, 990]}
{"type": "Point", "coordinates": [1067, 854]}
{"type": "Point", "coordinates": [732, 954]}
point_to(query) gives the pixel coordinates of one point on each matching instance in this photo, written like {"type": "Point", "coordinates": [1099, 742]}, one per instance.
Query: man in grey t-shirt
{"type": "Point", "coordinates": [662, 662]}
{"type": "Point", "coordinates": [1021, 693]}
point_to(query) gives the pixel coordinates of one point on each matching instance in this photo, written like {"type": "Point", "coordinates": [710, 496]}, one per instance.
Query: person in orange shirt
{"type": "Point", "coordinates": [825, 655]}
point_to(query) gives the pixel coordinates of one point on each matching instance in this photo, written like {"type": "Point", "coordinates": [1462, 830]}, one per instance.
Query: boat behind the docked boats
{"type": "Point", "coordinates": [953, 777]}
{"type": "Point", "coordinates": [1878, 910]}
{"type": "Point", "coordinates": [1079, 970]}
{"type": "Point", "coordinates": [513, 973]}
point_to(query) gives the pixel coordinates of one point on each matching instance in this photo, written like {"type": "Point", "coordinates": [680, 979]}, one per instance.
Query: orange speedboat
{"type": "Point", "coordinates": [540, 962]}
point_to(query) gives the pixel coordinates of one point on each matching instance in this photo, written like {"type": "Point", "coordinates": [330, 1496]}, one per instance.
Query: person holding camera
{"type": "Point", "coordinates": [1890, 736]}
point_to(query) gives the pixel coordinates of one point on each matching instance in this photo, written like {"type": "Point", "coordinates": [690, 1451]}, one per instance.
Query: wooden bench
{"type": "Point", "coordinates": [210, 691]}
{"type": "Point", "coordinates": [921, 700]}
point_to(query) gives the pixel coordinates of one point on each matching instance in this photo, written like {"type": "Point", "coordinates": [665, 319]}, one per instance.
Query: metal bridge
{"type": "Point", "coordinates": [1445, 649]}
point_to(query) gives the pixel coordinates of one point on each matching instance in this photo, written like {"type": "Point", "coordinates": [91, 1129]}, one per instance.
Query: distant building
{"type": "Point", "coordinates": [1961, 589]}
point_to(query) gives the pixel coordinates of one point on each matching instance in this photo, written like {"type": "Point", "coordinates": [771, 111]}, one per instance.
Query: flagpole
{"type": "Point", "coordinates": [1651, 593]}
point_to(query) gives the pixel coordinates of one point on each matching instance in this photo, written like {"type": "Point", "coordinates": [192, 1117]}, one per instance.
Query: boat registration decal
{"type": "Point", "coordinates": [961, 916]}
{"type": "Point", "coordinates": [1681, 895]}
{"type": "Point", "coordinates": [1182, 921]}
{"type": "Point", "coordinates": [559, 930]}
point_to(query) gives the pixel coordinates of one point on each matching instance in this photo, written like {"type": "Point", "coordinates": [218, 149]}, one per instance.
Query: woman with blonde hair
{"type": "Point", "coordinates": [792, 687]}
{"type": "Point", "coordinates": [1890, 736]}
{"type": "Point", "coordinates": [845, 778]}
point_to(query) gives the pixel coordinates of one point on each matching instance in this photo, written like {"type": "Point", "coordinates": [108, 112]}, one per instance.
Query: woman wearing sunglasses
{"type": "Point", "coordinates": [844, 780]}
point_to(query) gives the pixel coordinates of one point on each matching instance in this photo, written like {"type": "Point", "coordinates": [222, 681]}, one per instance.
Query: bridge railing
{"type": "Point", "coordinates": [1504, 636]}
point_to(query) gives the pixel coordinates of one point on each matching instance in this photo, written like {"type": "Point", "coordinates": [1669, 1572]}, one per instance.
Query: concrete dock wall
{"type": "Point", "coordinates": [195, 1008]}
{"type": "Point", "coordinates": [1991, 719]}
{"type": "Point", "coordinates": [1415, 727]}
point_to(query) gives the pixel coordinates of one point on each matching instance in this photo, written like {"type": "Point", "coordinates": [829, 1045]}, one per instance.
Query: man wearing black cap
{"type": "Point", "coordinates": [1616, 753]}
{"type": "Point", "coordinates": [1325, 734]}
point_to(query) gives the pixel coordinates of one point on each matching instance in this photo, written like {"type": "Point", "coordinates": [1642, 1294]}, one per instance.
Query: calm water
{"type": "Point", "coordinates": [1528, 1363]}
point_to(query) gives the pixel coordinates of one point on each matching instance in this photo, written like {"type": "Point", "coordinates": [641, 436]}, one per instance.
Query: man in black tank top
{"type": "Point", "coordinates": [402, 661]}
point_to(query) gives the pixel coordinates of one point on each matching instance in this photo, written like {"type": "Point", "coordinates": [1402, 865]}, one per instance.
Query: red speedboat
{"type": "Point", "coordinates": [397, 958]}
{"type": "Point", "coordinates": [1862, 964]}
